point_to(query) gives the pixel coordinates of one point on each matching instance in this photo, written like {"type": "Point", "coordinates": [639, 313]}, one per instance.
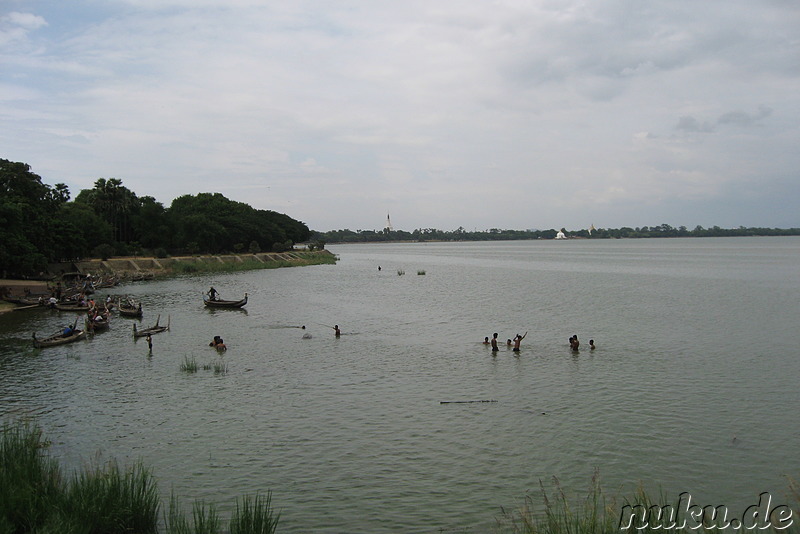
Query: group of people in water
{"type": "Point", "coordinates": [574, 344]}
{"type": "Point", "coordinates": [218, 344]}
{"type": "Point", "coordinates": [515, 342]}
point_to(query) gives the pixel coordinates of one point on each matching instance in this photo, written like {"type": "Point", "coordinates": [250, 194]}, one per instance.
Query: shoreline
{"type": "Point", "coordinates": [142, 268]}
{"type": "Point", "coordinates": [18, 287]}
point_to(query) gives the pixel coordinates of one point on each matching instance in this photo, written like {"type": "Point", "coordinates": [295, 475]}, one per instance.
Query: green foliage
{"type": "Point", "coordinates": [103, 251]}
{"type": "Point", "coordinates": [254, 247]}
{"type": "Point", "coordinates": [77, 230]}
{"type": "Point", "coordinates": [115, 203]}
{"type": "Point", "coordinates": [39, 225]}
{"type": "Point", "coordinates": [216, 223]}
{"type": "Point", "coordinates": [27, 207]}
{"type": "Point", "coordinates": [186, 267]}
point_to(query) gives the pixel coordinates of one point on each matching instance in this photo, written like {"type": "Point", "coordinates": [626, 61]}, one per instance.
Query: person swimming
{"type": "Point", "coordinates": [218, 344]}
{"type": "Point", "coordinates": [517, 340]}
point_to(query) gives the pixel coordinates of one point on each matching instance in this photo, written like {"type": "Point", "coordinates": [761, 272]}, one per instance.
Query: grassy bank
{"type": "Point", "coordinates": [36, 495]}
{"type": "Point", "coordinates": [185, 266]}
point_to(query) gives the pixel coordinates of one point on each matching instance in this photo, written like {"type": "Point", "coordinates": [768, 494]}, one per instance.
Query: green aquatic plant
{"type": "Point", "coordinates": [189, 364]}
{"type": "Point", "coordinates": [220, 368]}
{"type": "Point", "coordinates": [421, 272]}
{"type": "Point", "coordinates": [254, 515]}
{"type": "Point", "coordinates": [30, 481]}
{"type": "Point", "coordinates": [112, 499]}
{"type": "Point", "coordinates": [205, 519]}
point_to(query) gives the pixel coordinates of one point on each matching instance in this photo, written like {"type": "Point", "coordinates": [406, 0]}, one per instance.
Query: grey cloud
{"type": "Point", "coordinates": [690, 124]}
{"type": "Point", "coordinates": [732, 118]}
{"type": "Point", "coordinates": [740, 118]}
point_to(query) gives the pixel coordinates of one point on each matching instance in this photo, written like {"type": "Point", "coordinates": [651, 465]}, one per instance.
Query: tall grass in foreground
{"type": "Point", "coordinates": [597, 513]}
{"type": "Point", "coordinates": [35, 497]}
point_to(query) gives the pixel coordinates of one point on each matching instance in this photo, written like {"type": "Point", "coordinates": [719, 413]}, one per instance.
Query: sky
{"type": "Point", "coordinates": [505, 114]}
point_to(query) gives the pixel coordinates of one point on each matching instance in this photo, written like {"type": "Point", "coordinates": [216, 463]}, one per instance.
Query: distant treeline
{"type": "Point", "coordinates": [40, 225]}
{"type": "Point", "coordinates": [495, 234]}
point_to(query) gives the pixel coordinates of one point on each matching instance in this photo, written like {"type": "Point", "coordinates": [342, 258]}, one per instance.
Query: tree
{"type": "Point", "coordinates": [113, 202]}
{"type": "Point", "coordinates": [77, 230]}
{"type": "Point", "coordinates": [149, 224]}
{"type": "Point", "coordinates": [26, 207]}
{"type": "Point", "coordinates": [217, 223]}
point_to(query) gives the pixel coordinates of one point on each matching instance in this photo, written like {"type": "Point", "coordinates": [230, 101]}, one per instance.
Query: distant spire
{"type": "Point", "coordinates": [388, 227]}
{"type": "Point", "coordinates": [591, 229]}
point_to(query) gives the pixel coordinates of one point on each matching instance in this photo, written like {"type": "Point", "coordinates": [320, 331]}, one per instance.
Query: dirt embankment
{"type": "Point", "coordinates": [16, 288]}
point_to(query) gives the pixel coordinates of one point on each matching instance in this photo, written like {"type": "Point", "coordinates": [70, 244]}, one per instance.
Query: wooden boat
{"type": "Point", "coordinates": [155, 329]}
{"type": "Point", "coordinates": [225, 303]}
{"type": "Point", "coordinates": [72, 307]}
{"type": "Point", "coordinates": [59, 338]}
{"type": "Point", "coordinates": [30, 307]}
{"type": "Point", "coordinates": [129, 308]}
{"type": "Point", "coordinates": [27, 301]}
{"type": "Point", "coordinates": [97, 325]}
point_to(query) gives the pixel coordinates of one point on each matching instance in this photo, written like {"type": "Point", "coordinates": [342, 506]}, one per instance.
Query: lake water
{"type": "Point", "coordinates": [693, 385]}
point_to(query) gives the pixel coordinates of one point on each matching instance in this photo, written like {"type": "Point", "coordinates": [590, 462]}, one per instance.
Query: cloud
{"type": "Point", "coordinates": [15, 27]}
{"type": "Point", "coordinates": [691, 124]}
{"type": "Point", "coordinates": [730, 118]}
{"type": "Point", "coordinates": [512, 114]}
{"type": "Point", "coordinates": [740, 118]}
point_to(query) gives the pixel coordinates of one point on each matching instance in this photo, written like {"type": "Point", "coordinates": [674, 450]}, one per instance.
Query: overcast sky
{"type": "Point", "coordinates": [508, 114]}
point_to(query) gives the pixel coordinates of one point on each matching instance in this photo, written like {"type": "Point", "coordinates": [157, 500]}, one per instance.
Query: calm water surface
{"type": "Point", "coordinates": [693, 386]}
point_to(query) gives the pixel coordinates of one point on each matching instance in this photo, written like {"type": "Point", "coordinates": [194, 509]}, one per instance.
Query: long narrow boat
{"type": "Point", "coordinates": [155, 329]}
{"type": "Point", "coordinates": [61, 338]}
{"type": "Point", "coordinates": [225, 303]}
{"type": "Point", "coordinates": [72, 307]}
{"type": "Point", "coordinates": [27, 301]}
{"type": "Point", "coordinates": [30, 307]}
